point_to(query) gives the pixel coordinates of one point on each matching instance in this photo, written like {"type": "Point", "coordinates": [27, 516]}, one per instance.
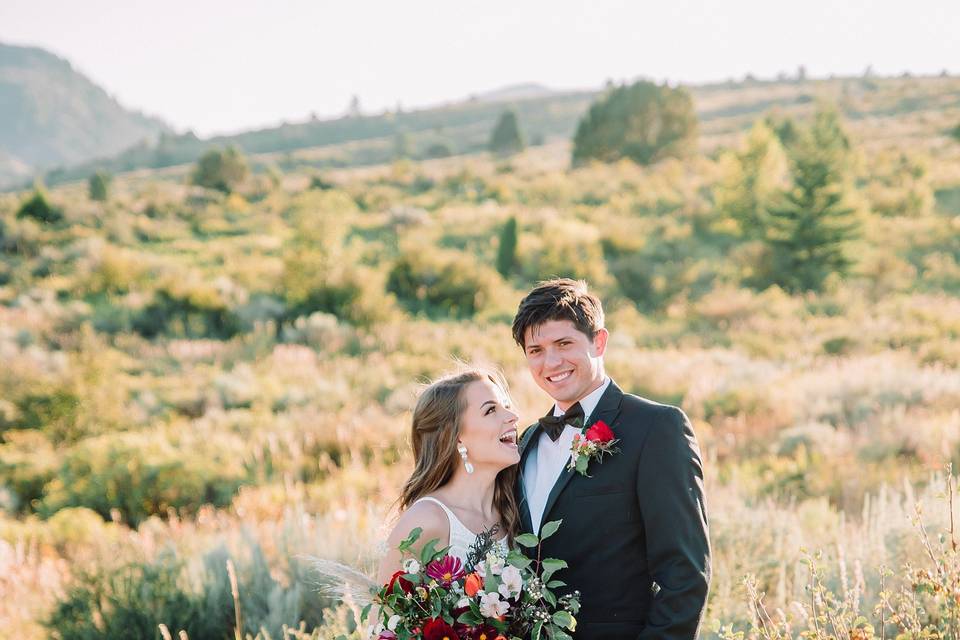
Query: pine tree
{"type": "Point", "coordinates": [809, 230]}
{"type": "Point", "coordinates": [751, 179]}
{"type": "Point", "coordinates": [99, 186]}
{"type": "Point", "coordinates": [507, 251]}
{"type": "Point", "coordinates": [506, 137]}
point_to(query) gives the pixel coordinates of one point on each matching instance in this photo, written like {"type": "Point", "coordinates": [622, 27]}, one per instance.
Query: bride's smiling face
{"type": "Point", "coordinates": [488, 427]}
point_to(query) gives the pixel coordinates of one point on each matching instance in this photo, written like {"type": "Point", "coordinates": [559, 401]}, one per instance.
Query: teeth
{"type": "Point", "coordinates": [510, 437]}
{"type": "Point", "coordinates": [558, 378]}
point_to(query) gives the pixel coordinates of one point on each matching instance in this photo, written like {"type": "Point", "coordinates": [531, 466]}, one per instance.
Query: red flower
{"type": "Point", "coordinates": [437, 629]}
{"type": "Point", "coordinates": [405, 585]}
{"type": "Point", "coordinates": [484, 632]}
{"type": "Point", "coordinates": [600, 432]}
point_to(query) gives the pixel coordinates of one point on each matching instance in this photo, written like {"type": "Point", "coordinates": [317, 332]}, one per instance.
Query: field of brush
{"type": "Point", "coordinates": [188, 377]}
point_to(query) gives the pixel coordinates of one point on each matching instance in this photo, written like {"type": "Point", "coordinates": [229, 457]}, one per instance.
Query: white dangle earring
{"type": "Point", "coordinates": [462, 449]}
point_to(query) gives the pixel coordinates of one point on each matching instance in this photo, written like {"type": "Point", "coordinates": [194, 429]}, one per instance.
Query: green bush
{"type": "Point", "coordinates": [219, 169]}
{"type": "Point", "coordinates": [132, 600]}
{"type": "Point", "coordinates": [144, 474]}
{"type": "Point", "coordinates": [440, 283]}
{"type": "Point", "coordinates": [38, 208]}
{"type": "Point", "coordinates": [644, 122]}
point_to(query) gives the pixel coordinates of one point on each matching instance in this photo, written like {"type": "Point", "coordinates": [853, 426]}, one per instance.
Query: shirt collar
{"type": "Point", "coordinates": [589, 402]}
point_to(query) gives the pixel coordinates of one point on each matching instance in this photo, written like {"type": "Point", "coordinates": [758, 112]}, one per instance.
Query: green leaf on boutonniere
{"type": "Point", "coordinates": [582, 463]}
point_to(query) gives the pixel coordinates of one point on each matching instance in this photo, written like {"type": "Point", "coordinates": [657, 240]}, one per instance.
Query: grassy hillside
{"type": "Point", "coordinates": [191, 376]}
{"type": "Point", "coordinates": [53, 115]}
{"type": "Point", "coordinates": [929, 105]}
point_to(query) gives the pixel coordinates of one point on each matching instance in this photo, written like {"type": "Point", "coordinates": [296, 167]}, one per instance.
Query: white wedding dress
{"type": "Point", "coordinates": [461, 538]}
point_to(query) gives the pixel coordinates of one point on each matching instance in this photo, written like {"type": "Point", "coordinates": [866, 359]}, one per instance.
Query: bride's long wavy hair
{"type": "Point", "coordinates": [435, 431]}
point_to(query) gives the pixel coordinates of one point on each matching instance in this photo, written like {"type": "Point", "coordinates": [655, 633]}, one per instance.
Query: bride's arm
{"type": "Point", "coordinates": [431, 519]}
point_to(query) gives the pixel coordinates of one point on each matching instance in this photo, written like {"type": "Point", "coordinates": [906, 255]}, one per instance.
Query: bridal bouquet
{"type": "Point", "coordinates": [493, 596]}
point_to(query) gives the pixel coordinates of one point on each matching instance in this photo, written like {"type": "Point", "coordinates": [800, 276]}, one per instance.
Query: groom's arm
{"type": "Point", "coordinates": [670, 493]}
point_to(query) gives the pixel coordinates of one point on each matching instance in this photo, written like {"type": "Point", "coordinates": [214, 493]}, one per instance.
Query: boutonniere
{"type": "Point", "coordinates": [595, 442]}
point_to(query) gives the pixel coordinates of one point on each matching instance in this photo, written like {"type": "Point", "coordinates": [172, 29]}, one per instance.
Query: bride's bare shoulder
{"type": "Point", "coordinates": [426, 515]}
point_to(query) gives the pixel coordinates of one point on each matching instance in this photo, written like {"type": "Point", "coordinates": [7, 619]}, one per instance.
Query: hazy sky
{"type": "Point", "coordinates": [226, 65]}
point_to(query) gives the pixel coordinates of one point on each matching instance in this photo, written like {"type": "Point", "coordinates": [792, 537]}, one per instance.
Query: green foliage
{"type": "Point", "coordinates": [402, 147]}
{"type": "Point", "coordinates": [506, 138]}
{"type": "Point", "coordinates": [438, 150]}
{"type": "Point", "coordinates": [144, 474]}
{"type": "Point", "coordinates": [440, 283]}
{"type": "Point", "coordinates": [507, 249]}
{"type": "Point", "coordinates": [566, 249]}
{"type": "Point", "coordinates": [131, 600]}
{"type": "Point", "coordinates": [751, 179]}
{"type": "Point", "coordinates": [38, 208]}
{"type": "Point", "coordinates": [98, 186]}
{"type": "Point", "coordinates": [187, 309]}
{"type": "Point", "coordinates": [643, 122]}
{"type": "Point", "coordinates": [319, 273]}
{"type": "Point", "coordinates": [222, 170]}
{"type": "Point", "coordinates": [809, 230]}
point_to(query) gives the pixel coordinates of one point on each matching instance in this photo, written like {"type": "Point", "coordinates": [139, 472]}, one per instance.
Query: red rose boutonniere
{"type": "Point", "coordinates": [595, 442]}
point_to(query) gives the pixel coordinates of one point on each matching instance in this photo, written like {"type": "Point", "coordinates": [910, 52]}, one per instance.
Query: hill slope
{"type": "Point", "coordinates": [52, 115]}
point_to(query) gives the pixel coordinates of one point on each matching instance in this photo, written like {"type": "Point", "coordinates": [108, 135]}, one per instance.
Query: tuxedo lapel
{"type": "Point", "coordinates": [528, 446]}
{"type": "Point", "coordinates": [606, 410]}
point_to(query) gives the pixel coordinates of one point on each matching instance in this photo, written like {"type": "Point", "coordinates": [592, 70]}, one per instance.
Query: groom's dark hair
{"type": "Point", "coordinates": [559, 299]}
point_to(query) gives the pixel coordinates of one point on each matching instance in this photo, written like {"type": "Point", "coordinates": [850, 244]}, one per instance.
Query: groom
{"type": "Point", "coordinates": [634, 530]}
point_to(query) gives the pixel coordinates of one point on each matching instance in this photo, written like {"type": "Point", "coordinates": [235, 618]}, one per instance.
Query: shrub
{"type": "Point", "coordinates": [38, 208]}
{"type": "Point", "coordinates": [644, 122]}
{"type": "Point", "coordinates": [219, 169]}
{"type": "Point", "coordinates": [132, 600]}
{"type": "Point", "coordinates": [144, 474]}
{"type": "Point", "coordinates": [440, 284]}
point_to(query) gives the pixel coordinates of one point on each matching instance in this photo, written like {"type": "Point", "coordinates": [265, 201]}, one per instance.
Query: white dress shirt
{"type": "Point", "coordinates": [542, 470]}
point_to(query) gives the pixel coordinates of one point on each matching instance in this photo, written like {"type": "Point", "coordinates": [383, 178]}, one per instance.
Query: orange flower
{"type": "Point", "coordinates": [472, 584]}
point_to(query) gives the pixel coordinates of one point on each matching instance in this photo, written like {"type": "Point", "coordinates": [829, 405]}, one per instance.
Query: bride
{"type": "Point", "coordinates": [464, 437]}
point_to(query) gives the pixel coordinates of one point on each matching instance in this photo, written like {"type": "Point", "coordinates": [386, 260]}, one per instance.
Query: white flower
{"type": "Point", "coordinates": [511, 582]}
{"type": "Point", "coordinates": [393, 622]}
{"type": "Point", "coordinates": [411, 566]}
{"type": "Point", "coordinates": [481, 569]}
{"type": "Point", "coordinates": [374, 630]}
{"type": "Point", "coordinates": [492, 607]}
{"type": "Point", "coordinates": [496, 564]}
{"type": "Point", "coordinates": [463, 602]}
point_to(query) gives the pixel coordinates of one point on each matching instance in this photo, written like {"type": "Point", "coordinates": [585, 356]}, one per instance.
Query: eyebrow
{"type": "Point", "coordinates": [560, 339]}
{"type": "Point", "coordinates": [488, 402]}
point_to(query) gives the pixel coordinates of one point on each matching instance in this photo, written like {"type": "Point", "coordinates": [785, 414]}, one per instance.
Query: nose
{"type": "Point", "coordinates": [512, 417]}
{"type": "Point", "coordinates": [552, 359]}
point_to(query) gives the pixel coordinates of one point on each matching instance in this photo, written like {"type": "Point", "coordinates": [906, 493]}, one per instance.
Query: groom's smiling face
{"type": "Point", "coordinates": [564, 361]}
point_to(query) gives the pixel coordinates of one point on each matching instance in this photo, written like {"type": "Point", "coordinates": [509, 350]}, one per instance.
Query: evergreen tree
{"type": "Point", "coordinates": [808, 231]}
{"type": "Point", "coordinates": [644, 122]}
{"type": "Point", "coordinates": [40, 209]}
{"type": "Point", "coordinates": [751, 179]}
{"type": "Point", "coordinates": [507, 251]}
{"type": "Point", "coordinates": [99, 186]}
{"type": "Point", "coordinates": [220, 169]}
{"type": "Point", "coordinates": [506, 137]}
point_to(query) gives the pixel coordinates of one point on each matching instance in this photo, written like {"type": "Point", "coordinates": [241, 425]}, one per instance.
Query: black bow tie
{"type": "Point", "coordinates": [553, 425]}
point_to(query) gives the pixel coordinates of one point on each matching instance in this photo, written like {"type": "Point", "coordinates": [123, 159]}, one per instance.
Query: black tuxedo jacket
{"type": "Point", "coordinates": [635, 532]}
